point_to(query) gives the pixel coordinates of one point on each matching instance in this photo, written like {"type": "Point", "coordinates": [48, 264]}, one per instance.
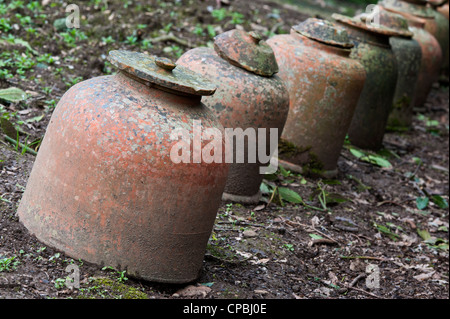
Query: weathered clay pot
{"type": "Point", "coordinates": [443, 9]}
{"type": "Point", "coordinates": [105, 188]}
{"type": "Point", "coordinates": [324, 84]}
{"type": "Point", "coordinates": [435, 23]}
{"type": "Point", "coordinates": [431, 57]}
{"type": "Point", "coordinates": [373, 50]}
{"type": "Point", "coordinates": [250, 96]}
{"type": "Point", "coordinates": [408, 54]}
{"type": "Point", "coordinates": [442, 20]}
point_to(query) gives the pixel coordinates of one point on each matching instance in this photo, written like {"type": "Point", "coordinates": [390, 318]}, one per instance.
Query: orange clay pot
{"type": "Point", "coordinates": [373, 50]}
{"type": "Point", "coordinates": [435, 23]}
{"type": "Point", "coordinates": [250, 96]}
{"type": "Point", "coordinates": [104, 188]}
{"type": "Point", "coordinates": [408, 54]}
{"type": "Point", "coordinates": [443, 10]}
{"type": "Point", "coordinates": [324, 84]}
{"type": "Point", "coordinates": [431, 57]}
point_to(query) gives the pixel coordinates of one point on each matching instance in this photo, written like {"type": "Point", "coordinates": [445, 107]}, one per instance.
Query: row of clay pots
{"type": "Point", "coordinates": [105, 187]}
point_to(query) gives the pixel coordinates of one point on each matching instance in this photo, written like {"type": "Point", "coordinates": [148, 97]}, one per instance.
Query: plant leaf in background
{"type": "Point", "coordinates": [290, 195]}
{"type": "Point", "coordinates": [422, 202]}
{"type": "Point", "coordinates": [12, 95]}
{"type": "Point", "coordinates": [7, 128]}
{"type": "Point", "coordinates": [438, 200]}
{"type": "Point", "coordinates": [373, 159]}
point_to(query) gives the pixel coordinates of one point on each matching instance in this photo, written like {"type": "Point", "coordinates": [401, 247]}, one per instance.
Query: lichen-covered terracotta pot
{"type": "Point", "coordinates": [372, 48]}
{"type": "Point", "coordinates": [324, 84]}
{"type": "Point", "coordinates": [442, 20]}
{"type": "Point", "coordinates": [408, 54]}
{"type": "Point", "coordinates": [435, 23]}
{"type": "Point", "coordinates": [431, 57]}
{"type": "Point", "coordinates": [250, 97]}
{"type": "Point", "coordinates": [105, 188]}
{"type": "Point", "coordinates": [443, 9]}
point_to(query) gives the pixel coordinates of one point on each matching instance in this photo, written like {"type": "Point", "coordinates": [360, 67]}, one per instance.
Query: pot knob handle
{"type": "Point", "coordinates": [165, 63]}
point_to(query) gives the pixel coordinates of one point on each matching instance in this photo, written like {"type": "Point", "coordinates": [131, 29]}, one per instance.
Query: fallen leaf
{"type": "Point", "coordinates": [193, 291]}
{"type": "Point", "coordinates": [424, 276]}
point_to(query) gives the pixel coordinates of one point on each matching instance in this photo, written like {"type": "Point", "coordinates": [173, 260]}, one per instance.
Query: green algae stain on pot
{"type": "Point", "coordinates": [373, 50]}
{"type": "Point", "coordinates": [324, 84]}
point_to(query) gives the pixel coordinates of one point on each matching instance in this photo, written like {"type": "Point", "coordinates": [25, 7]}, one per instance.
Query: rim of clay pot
{"type": "Point", "coordinates": [390, 20]}
{"type": "Point", "coordinates": [413, 21]}
{"type": "Point", "coordinates": [358, 23]}
{"type": "Point", "coordinates": [418, 8]}
{"type": "Point", "coordinates": [248, 51]}
{"type": "Point", "coordinates": [437, 3]}
{"type": "Point", "coordinates": [161, 72]}
{"type": "Point", "coordinates": [325, 32]}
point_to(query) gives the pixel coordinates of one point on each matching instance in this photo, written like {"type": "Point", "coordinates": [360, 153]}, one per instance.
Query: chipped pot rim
{"type": "Point", "coordinates": [161, 72]}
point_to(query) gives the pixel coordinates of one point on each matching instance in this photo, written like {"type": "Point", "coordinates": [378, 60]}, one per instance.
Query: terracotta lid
{"type": "Point", "coordinates": [415, 7]}
{"type": "Point", "coordinates": [389, 20]}
{"type": "Point", "coordinates": [161, 72]}
{"type": "Point", "coordinates": [324, 31]}
{"type": "Point", "coordinates": [358, 22]}
{"type": "Point", "coordinates": [247, 51]}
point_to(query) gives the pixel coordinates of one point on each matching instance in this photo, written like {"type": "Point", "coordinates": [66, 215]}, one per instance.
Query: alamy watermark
{"type": "Point", "coordinates": [73, 19]}
{"type": "Point", "coordinates": [228, 147]}
{"type": "Point", "coordinates": [372, 15]}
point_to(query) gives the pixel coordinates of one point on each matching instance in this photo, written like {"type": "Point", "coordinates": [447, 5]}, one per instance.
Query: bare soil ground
{"type": "Point", "coordinates": [363, 235]}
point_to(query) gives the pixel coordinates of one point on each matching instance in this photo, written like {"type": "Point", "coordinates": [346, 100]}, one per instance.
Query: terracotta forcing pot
{"type": "Point", "coordinates": [441, 16]}
{"type": "Point", "coordinates": [408, 54]}
{"type": "Point", "coordinates": [324, 84]}
{"type": "Point", "coordinates": [105, 187]}
{"type": "Point", "coordinates": [250, 97]}
{"type": "Point", "coordinates": [435, 22]}
{"type": "Point", "coordinates": [443, 9]}
{"type": "Point", "coordinates": [373, 50]}
{"type": "Point", "coordinates": [431, 57]}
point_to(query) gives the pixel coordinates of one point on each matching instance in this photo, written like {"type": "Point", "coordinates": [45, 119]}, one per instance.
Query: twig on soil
{"type": "Point", "coordinates": [364, 257]}
{"type": "Point", "coordinates": [323, 241]}
{"type": "Point", "coordinates": [23, 146]}
{"type": "Point", "coordinates": [389, 202]}
{"type": "Point", "coordinates": [312, 228]}
{"type": "Point", "coordinates": [171, 37]}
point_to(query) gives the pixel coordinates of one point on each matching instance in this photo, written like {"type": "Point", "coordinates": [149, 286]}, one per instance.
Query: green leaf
{"type": "Point", "coordinates": [358, 154]}
{"type": "Point", "coordinates": [379, 161]}
{"type": "Point", "coordinates": [314, 236]}
{"type": "Point", "coordinates": [8, 128]}
{"type": "Point", "coordinates": [373, 159]}
{"type": "Point", "coordinates": [13, 95]}
{"type": "Point", "coordinates": [290, 195]}
{"type": "Point", "coordinates": [422, 202]}
{"type": "Point", "coordinates": [424, 234]}
{"type": "Point", "coordinates": [265, 189]}
{"type": "Point", "coordinates": [441, 202]}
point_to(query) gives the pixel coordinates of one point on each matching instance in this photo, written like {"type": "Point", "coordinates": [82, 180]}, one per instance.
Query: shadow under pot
{"type": "Point", "coordinates": [373, 50]}
{"type": "Point", "coordinates": [251, 102]}
{"type": "Point", "coordinates": [106, 186]}
{"type": "Point", "coordinates": [324, 85]}
{"type": "Point", "coordinates": [408, 54]}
